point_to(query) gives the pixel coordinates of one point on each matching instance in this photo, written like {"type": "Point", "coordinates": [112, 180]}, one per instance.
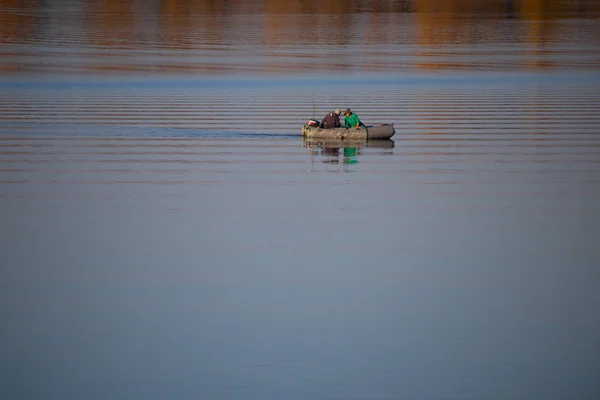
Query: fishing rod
{"type": "Point", "coordinates": [313, 100]}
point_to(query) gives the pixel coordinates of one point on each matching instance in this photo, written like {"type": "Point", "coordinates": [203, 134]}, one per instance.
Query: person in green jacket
{"type": "Point", "coordinates": [351, 120]}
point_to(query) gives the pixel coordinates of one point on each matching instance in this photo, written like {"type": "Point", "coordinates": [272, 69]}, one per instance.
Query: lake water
{"type": "Point", "coordinates": [167, 233]}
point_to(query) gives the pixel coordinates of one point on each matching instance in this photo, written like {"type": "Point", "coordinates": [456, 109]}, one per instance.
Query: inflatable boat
{"type": "Point", "coordinates": [368, 132]}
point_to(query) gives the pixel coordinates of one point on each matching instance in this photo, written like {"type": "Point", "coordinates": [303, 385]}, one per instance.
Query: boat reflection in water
{"type": "Point", "coordinates": [345, 151]}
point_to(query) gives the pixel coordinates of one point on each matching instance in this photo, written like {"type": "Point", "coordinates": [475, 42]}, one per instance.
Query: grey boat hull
{"type": "Point", "coordinates": [368, 132]}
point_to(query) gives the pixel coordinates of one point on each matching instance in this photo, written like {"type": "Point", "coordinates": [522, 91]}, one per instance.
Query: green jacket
{"type": "Point", "coordinates": [352, 121]}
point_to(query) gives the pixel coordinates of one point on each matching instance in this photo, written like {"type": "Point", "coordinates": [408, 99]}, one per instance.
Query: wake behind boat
{"type": "Point", "coordinates": [368, 132]}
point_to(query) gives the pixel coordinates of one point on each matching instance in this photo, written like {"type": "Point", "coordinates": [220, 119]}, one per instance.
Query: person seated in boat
{"type": "Point", "coordinates": [351, 120]}
{"type": "Point", "coordinates": [331, 120]}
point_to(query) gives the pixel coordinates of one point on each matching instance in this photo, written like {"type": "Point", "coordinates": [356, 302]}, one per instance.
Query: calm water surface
{"type": "Point", "coordinates": [166, 232]}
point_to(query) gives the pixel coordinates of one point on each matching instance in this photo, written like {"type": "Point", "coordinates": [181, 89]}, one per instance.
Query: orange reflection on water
{"type": "Point", "coordinates": [272, 36]}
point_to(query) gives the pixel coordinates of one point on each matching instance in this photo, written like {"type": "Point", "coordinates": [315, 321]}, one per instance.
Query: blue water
{"type": "Point", "coordinates": [167, 233]}
{"type": "Point", "coordinates": [264, 268]}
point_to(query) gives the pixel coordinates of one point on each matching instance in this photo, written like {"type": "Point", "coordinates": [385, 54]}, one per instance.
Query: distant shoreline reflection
{"type": "Point", "coordinates": [272, 38]}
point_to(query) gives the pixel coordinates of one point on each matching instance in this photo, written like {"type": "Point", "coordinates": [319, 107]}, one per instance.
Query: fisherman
{"type": "Point", "coordinates": [331, 120]}
{"type": "Point", "coordinates": [351, 120]}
